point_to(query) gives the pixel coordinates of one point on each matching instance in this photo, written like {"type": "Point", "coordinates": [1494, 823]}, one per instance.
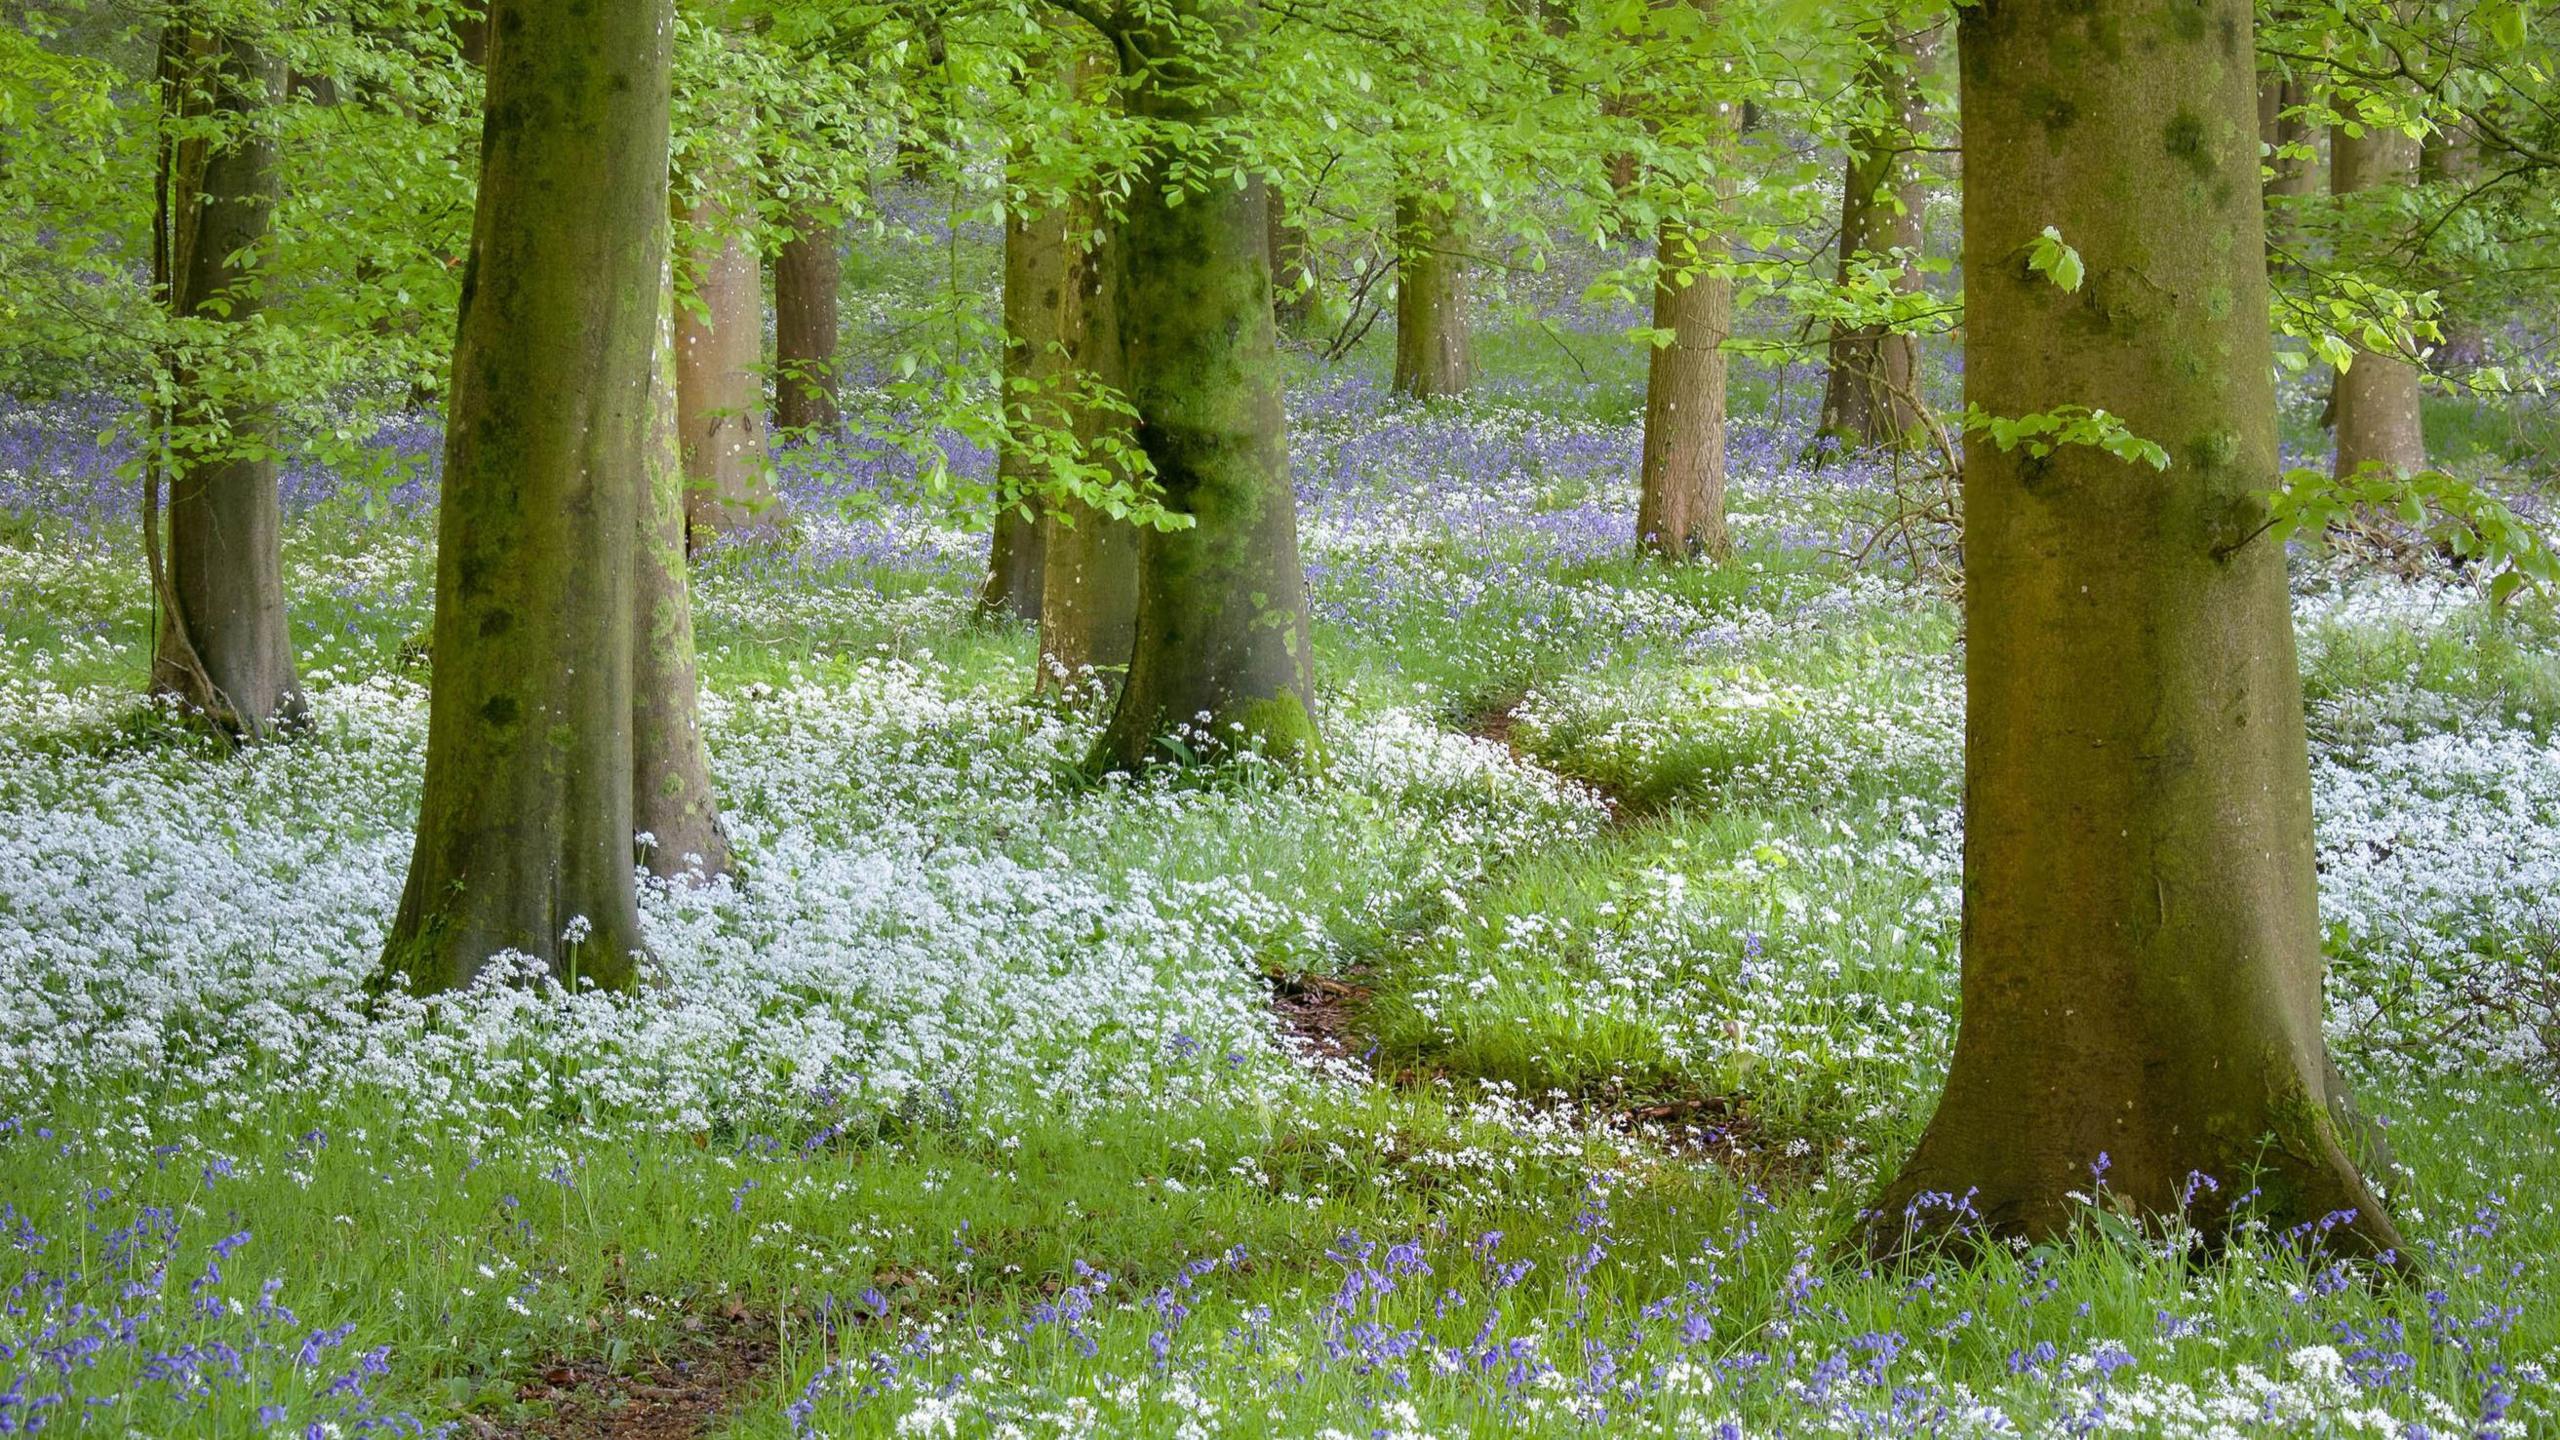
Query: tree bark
{"type": "Point", "coordinates": [672, 799]}
{"type": "Point", "coordinates": [1433, 355]}
{"type": "Point", "coordinates": [1867, 396]}
{"type": "Point", "coordinates": [720, 352]}
{"type": "Point", "coordinates": [1038, 299]}
{"type": "Point", "coordinates": [2376, 400]}
{"type": "Point", "coordinates": [2142, 962]}
{"type": "Point", "coordinates": [1222, 650]}
{"type": "Point", "coordinates": [221, 641]}
{"type": "Point", "coordinates": [2292, 179]}
{"type": "Point", "coordinates": [526, 821]}
{"type": "Point", "coordinates": [1089, 574]}
{"type": "Point", "coordinates": [1680, 513]}
{"type": "Point", "coordinates": [1293, 288]}
{"type": "Point", "coordinates": [2451, 158]}
{"type": "Point", "coordinates": [807, 272]}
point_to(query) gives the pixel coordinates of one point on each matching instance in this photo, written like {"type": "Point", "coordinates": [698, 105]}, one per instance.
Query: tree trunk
{"type": "Point", "coordinates": [2141, 977]}
{"type": "Point", "coordinates": [806, 273]}
{"type": "Point", "coordinates": [221, 641]}
{"type": "Point", "coordinates": [2451, 158]}
{"type": "Point", "coordinates": [672, 800]}
{"type": "Point", "coordinates": [2292, 178]}
{"type": "Point", "coordinates": [2376, 399]}
{"type": "Point", "coordinates": [1293, 288]}
{"type": "Point", "coordinates": [526, 821]}
{"type": "Point", "coordinates": [719, 352]}
{"type": "Point", "coordinates": [1681, 511]}
{"type": "Point", "coordinates": [1433, 356]}
{"type": "Point", "coordinates": [1868, 395]}
{"type": "Point", "coordinates": [1089, 574]}
{"type": "Point", "coordinates": [1222, 605]}
{"type": "Point", "coordinates": [1039, 293]}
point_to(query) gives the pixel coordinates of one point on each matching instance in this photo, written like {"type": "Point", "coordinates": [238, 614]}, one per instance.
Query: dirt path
{"type": "Point", "coordinates": [677, 1397]}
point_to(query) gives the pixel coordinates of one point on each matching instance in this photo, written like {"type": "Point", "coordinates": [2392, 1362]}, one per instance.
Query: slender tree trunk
{"type": "Point", "coordinates": [1222, 605]}
{"type": "Point", "coordinates": [2293, 178]}
{"type": "Point", "coordinates": [1293, 288]}
{"type": "Point", "coordinates": [526, 822]}
{"type": "Point", "coordinates": [221, 642]}
{"type": "Point", "coordinates": [2141, 981]}
{"type": "Point", "coordinates": [672, 800]}
{"type": "Point", "coordinates": [807, 272]}
{"type": "Point", "coordinates": [1867, 397]}
{"type": "Point", "coordinates": [1089, 575]}
{"type": "Point", "coordinates": [720, 352]}
{"type": "Point", "coordinates": [1433, 356]}
{"type": "Point", "coordinates": [1039, 296]}
{"type": "Point", "coordinates": [2376, 400]}
{"type": "Point", "coordinates": [1680, 513]}
{"type": "Point", "coordinates": [2451, 158]}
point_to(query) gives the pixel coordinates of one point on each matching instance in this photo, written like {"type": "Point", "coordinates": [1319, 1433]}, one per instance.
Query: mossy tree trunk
{"type": "Point", "coordinates": [1038, 300]}
{"type": "Point", "coordinates": [720, 348]}
{"type": "Point", "coordinates": [2142, 963]}
{"type": "Point", "coordinates": [221, 641]}
{"type": "Point", "coordinates": [1680, 511]}
{"type": "Point", "coordinates": [1221, 649]}
{"type": "Point", "coordinates": [1089, 570]}
{"type": "Point", "coordinates": [1868, 395]}
{"type": "Point", "coordinates": [807, 273]}
{"type": "Point", "coordinates": [2375, 403]}
{"type": "Point", "coordinates": [526, 822]}
{"type": "Point", "coordinates": [1433, 355]}
{"type": "Point", "coordinates": [672, 801]}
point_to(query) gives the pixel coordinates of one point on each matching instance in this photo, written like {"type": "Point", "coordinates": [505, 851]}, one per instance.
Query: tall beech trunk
{"type": "Point", "coordinates": [221, 642]}
{"type": "Point", "coordinates": [1680, 512]}
{"type": "Point", "coordinates": [1222, 604]}
{"type": "Point", "coordinates": [807, 271]}
{"type": "Point", "coordinates": [1433, 356]}
{"type": "Point", "coordinates": [525, 826]}
{"type": "Point", "coordinates": [720, 350]}
{"type": "Point", "coordinates": [1867, 396]}
{"type": "Point", "coordinates": [2141, 976]}
{"type": "Point", "coordinates": [1089, 561]}
{"type": "Point", "coordinates": [1039, 286]}
{"type": "Point", "coordinates": [672, 801]}
{"type": "Point", "coordinates": [2376, 399]}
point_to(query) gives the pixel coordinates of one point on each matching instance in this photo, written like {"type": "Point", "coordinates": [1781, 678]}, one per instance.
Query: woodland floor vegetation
{"type": "Point", "coordinates": [1517, 1068]}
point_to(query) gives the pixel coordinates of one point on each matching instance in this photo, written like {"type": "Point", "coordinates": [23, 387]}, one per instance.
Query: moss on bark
{"type": "Point", "coordinates": [2142, 957]}
{"type": "Point", "coordinates": [526, 819]}
{"type": "Point", "coordinates": [1221, 652]}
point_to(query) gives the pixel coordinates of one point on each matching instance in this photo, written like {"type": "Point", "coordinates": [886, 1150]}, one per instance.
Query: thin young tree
{"type": "Point", "coordinates": [1868, 391]}
{"type": "Point", "coordinates": [672, 801]}
{"type": "Point", "coordinates": [1221, 651]}
{"type": "Point", "coordinates": [1038, 297]}
{"type": "Point", "coordinates": [222, 644]}
{"type": "Point", "coordinates": [526, 823]}
{"type": "Point", "coordinates": [1089, 559]}
{"type": "Point", "coordinates": [2141, 950]}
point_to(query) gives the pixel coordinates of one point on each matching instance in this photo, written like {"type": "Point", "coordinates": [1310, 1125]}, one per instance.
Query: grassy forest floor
{"type": "Point", "coordinates": [1513, 1074]}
